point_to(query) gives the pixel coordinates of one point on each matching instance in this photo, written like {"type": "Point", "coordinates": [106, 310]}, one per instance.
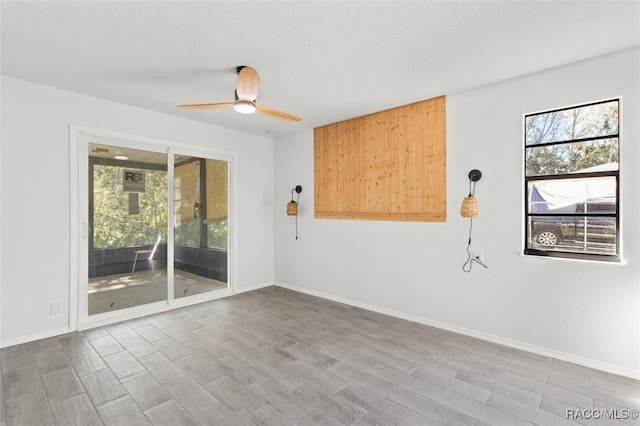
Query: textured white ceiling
{"type": "Point", "coordinates": [322, 60]}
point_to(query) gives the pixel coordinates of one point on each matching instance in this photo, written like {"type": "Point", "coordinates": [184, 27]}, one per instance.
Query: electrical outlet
{"type": "Point", "coordinates": [54, 307]}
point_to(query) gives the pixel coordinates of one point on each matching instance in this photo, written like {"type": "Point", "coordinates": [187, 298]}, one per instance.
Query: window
{"type": "Point", "coordinates": [572, 182]}
{"type": "Point", "coordinates": [113, 224]}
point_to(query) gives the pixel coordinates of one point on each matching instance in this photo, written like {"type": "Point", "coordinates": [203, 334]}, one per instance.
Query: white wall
{"type": "Point", "coordinates": [587, 312]}
{"type": "Point", "coordinates": [35, 195]}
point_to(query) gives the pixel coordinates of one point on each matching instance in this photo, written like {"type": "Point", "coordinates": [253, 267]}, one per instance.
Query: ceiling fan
{"type": "Point", "coordinates": [246, 94]}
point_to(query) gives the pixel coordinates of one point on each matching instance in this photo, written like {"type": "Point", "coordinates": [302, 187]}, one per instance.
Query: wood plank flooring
{"type": "Point", "coordinates": [277, 357]}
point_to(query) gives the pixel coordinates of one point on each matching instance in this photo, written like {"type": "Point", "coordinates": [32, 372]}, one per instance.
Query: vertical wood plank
{"type": "Point", "coordinates": [354, 169]}
{"type": "Point", "coordinates": [440, 157]}
{"type": "Point", "coordinates": [370, 162]}
{"type": "Point", "coordinates": [320, 179]}
{"type": "Point", "coordinates": [331, 152]}
{"type": "Point", "coordinates": [380, 167]}
{"type": "Point", "coordinates": [394, 205]}
{"type": "Point", "coordinates": [342, 171]}
{"type": "Point", "coordinates": [423, 135]}
{"type": "Point", "coordinates": [405, 166]}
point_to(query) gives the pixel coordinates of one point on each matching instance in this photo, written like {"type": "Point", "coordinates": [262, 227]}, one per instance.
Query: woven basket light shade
{"type": "Point", "coordinates": [470, 207]}
{"type": "Point", "coordinates": [292, 208]}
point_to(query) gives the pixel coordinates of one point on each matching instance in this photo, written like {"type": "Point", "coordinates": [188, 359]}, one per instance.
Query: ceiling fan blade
{"type": "Point", "coordinates": [271, 112]}
{"type": "Point", "coordinates": [248, 84]}
{"type": "Point", "coordinates": [207, 106]}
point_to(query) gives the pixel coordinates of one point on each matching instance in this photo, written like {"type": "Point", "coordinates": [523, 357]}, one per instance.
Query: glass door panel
{"type": "Point", "coordinates": [201, 208]}
{"type": "Point", "coordinates": [127, 238]}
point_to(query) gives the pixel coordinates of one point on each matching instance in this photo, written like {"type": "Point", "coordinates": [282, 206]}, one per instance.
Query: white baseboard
{"type": "Point", "coordinates": [253, 287]}
{"type": "Point", "coordinates": [33, 337]}
{"type": "Point", "coordinates": [563, 356]}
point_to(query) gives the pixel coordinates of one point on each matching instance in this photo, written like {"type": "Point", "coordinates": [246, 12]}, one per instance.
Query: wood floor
{"type": "Point", "coordinates": [277, 357]}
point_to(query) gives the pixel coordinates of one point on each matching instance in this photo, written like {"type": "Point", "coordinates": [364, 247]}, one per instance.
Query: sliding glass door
{"type": "Point", "coordinates": [127, 228]}
{"type": "Point", "coordinates": [157, 228]}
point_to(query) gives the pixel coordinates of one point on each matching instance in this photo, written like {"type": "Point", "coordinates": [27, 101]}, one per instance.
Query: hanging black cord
{"type": "Point", "coordinates": [297, 204]}
{"type": "Point", "coordinates": [469, 263]}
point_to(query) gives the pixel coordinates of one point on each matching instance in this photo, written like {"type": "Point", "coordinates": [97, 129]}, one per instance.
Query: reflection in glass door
{"type": "Point", "coordinates": [201, 208]}
{"type": "Point", "coordinates": [128, 214]}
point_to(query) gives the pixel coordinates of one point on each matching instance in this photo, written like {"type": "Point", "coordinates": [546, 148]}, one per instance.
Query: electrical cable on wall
{"type": "Point", "coordinates": [471, 209]}
{"type": "Point", "coordinates": [297, 202]}
{"type": "Point", "coordinates": [292, 206]}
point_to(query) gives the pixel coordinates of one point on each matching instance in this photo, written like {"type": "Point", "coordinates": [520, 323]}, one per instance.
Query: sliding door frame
{"type": "Point", "coordinates": [79, 139]}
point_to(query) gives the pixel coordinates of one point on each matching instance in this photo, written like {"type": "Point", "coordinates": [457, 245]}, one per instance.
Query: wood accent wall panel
{"type": "Point", "coordinates": [390, 165]}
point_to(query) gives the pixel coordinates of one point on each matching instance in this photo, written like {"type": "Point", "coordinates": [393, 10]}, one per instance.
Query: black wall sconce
{"type": "Point", "coordinates": [471, 209]}
{"type": "Point", "coordinates": [292, 206]}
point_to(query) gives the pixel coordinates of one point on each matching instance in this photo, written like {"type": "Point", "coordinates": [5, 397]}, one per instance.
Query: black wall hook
{"type": "Point", "coordinates": [475, 175]}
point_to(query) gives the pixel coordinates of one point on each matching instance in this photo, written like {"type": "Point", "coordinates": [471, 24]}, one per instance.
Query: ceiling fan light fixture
{"type": "Point", "coordinates": [246, 93]}
{"type": "Point", "coordinates": [244, 106]}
